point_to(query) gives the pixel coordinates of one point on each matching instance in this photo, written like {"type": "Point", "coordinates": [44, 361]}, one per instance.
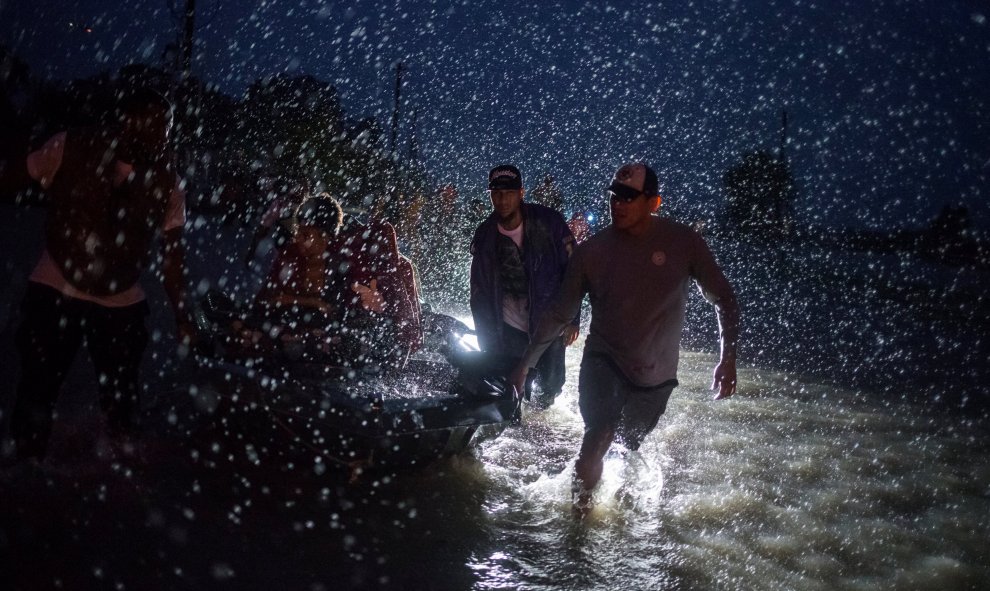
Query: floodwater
{"type": "Point", "coordinates": [788, 485]}
{"type": "Point", "coordinates": [794, 483]}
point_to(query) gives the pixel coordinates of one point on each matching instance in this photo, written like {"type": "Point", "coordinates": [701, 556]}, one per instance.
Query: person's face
{"type": "Point", "coordinates": [147, 132]}
{"type": "Point", "coordinates": [630, 213]}
{"type": "Point", "coordinates": [506, 202]}
{"type": "Point", "coordinates": [311, 240]}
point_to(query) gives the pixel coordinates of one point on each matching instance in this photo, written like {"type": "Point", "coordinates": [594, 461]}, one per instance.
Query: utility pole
{"type": "Point", "coordinates": [189, 27]}
{"type": "Point", "coordinates": [413, 141]}
{"type": "Point", "coordinates": [781, 155]}
{"type": "Point", "coordinates": [399, 69]}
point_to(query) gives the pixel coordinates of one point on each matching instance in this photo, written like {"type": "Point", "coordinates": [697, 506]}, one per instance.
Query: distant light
{"type": "Point", "coordinates": [591, 217]}
{"type": "Point", "coordinates": [88, 29]}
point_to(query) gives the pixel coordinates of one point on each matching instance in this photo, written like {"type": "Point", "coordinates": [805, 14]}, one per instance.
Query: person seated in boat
{"type": "Point", "coordinates": [400, 279]}
{"type": "Point", "coordinates": [383, 297]}
{"type": "Point", "coordinates": [278, 221]}
{"type": "Point", "coordinates": [304, 283]}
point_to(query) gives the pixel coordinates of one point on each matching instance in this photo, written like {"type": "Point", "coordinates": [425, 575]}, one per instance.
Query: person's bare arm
{"type": "Point", "coordinates": [724, 377]}
{"type": "Point", "coordinates": [174, 281]}
{"type": "Point", "coordinates": [717, 290]}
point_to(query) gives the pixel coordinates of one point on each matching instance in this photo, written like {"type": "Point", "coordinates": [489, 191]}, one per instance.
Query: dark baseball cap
{"type": "Point", "coordinates": [632, 179]}
{"type": "Point", "coordinates": [505, 176]}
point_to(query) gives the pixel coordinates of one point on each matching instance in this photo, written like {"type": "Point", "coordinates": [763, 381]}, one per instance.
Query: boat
{"type": "Point", "coordinates": [445, 398]}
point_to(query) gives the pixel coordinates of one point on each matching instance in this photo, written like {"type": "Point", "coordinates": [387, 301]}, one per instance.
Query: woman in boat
{"type": "Point", "coordinates": [384, 298]}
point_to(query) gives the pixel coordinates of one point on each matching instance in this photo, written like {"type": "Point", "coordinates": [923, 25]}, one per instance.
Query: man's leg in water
{"type": "Point", "coordinates": [550, 369]}
{"type": "Point", "coordinates": [601, 399]}
{"type": "Point", "coordinates": [116, 339]}
{"type": "Point", "coordinates": [641, 413]}
{"type": "Point", "coordinates": [514, 342]}
{"type": "Point", "coordinates": [590, 462]}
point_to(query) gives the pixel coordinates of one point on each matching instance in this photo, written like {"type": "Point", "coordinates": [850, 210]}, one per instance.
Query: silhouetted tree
{"type": "Point", "coordinates": [549, 194]}
{"type": "Point", "coordinates": [292, 124]}
{"type": "Point", "coordinates": [759, 192]}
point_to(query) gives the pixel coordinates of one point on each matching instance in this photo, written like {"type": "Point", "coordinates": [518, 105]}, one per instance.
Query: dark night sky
{"type": "Point", "coordinates": [887, 99]}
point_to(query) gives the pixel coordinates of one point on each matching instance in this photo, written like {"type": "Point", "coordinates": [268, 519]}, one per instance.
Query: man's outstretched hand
{"type": "Point", "coordinates": [725, 379]}
{"type": "Point", "coordinates": [517, 379]}
{"type": "Point", "coordinates": [570, 334]}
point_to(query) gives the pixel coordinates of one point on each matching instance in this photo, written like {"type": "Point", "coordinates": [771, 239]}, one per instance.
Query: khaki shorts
{"type": "Point", "coordinates": [608, 400]}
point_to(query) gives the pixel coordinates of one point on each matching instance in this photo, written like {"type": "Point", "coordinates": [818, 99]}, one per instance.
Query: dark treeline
{"type": "Point", "coordinates": [284, 127]}
{"type": "Point", "coordinates": [760, 192]}
{"type": "Point", "coordinates": [237, 154]}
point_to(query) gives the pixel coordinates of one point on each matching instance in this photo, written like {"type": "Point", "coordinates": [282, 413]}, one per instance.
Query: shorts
{"type": "Point", "coordinates": [608, 400]}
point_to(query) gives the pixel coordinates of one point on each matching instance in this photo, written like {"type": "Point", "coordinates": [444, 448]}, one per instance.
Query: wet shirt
{"type": "Point", "coordinates": [512, 275]}
{"type": "Point", "coordinates": [638, 287]}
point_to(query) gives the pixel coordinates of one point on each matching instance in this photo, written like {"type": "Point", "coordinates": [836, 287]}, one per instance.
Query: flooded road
{"type": "Point", "coordinates": [794, 483]}
{"type": "Point", "coordinates": [789, 485]}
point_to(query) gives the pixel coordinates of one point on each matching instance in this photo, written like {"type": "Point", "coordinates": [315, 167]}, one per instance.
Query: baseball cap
{"type": "Point", "coordinates": [505, 176]}
{"type": "Point", "coordinates": [633, 179]}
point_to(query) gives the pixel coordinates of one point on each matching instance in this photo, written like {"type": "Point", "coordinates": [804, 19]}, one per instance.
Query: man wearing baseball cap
{"type": "Point", "coordinates": [637, 272]}
{"type": "Point", "coordinates": [518, 257]}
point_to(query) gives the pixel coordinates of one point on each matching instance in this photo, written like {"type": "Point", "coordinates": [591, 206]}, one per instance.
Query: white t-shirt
{"type": "Point", "coordinates": [515, 311]}
{"type": "Point", "coordinates": [42, 166]}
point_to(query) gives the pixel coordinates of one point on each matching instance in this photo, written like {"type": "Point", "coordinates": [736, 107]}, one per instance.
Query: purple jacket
{"type": "Point", "coordinates": [547, 244]}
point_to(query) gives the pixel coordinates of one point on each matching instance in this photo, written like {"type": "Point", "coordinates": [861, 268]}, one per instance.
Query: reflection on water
{"type": "Point", "coordinates": [790, 485]}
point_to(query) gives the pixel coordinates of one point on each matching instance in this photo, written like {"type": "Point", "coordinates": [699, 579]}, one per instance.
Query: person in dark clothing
{"type": "Point", "coordinates": [112, 191]}
{"type": "Point", "coordinates": [519, 255]}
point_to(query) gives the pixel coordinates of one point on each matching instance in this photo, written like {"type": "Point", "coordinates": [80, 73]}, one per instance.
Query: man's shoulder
{"type": "Point", "coordinates": [487, 225]}
{"type": "Point", "coordinates": [675, 229]}
{"type": "Point", "coordinates": [485, 230]}
{"type": "Point", "coordinates": [88, 137]}
{"type": "Point", "coordinates": [600, 238]}
{"type": "Point", "coordinates": [598, 242]}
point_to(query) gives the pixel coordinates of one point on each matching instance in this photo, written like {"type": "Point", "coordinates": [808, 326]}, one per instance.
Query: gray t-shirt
{"type": "Point", "coordinates": [638, 287]}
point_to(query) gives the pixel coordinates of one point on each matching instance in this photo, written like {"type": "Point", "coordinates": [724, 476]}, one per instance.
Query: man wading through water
{"type": "Point", "coordinates": [519, 254]}
{"type": "Point", "coordinates": [636, 272]}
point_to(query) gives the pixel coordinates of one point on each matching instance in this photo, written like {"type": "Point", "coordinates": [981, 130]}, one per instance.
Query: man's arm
{"type": "Point", "coordinates": [561, 313]}
{"type": "Point", "coordinates": [717, 290]}
{"type": "Point", "coordinates": [724, 377]}
{"type": "Point", "coordinates": [174, 281]}
{"type": "Point", "coordinates": [565, 245]}
{"type": "Point", "coordinates": [18, 172]}
{"type": "Point", "coordinates": [479, 301]}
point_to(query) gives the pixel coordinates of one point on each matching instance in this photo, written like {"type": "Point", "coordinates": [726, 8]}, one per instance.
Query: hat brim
{"type": "Point", "coordinates": [623, 191]}
{"type": "Point", "coordinates": [500, 184]}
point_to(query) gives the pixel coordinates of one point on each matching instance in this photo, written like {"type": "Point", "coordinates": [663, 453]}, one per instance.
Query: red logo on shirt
{"type": "Point", "coordinates": [659, 258]}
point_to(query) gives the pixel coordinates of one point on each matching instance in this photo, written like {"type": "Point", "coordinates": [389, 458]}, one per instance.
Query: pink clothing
{"type": "Point", "coordinates": [42, 165]}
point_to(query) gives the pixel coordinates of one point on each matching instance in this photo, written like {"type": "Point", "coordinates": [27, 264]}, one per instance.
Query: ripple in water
{"type": "Point", "coordinates": [789, 485]}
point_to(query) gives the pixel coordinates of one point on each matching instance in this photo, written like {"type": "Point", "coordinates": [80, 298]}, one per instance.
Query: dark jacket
{"type": "Point", "coordinates": [547, 244]}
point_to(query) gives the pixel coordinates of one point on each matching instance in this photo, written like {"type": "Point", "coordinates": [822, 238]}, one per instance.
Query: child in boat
{"type": "Point", "coordinates": [304, 279]}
